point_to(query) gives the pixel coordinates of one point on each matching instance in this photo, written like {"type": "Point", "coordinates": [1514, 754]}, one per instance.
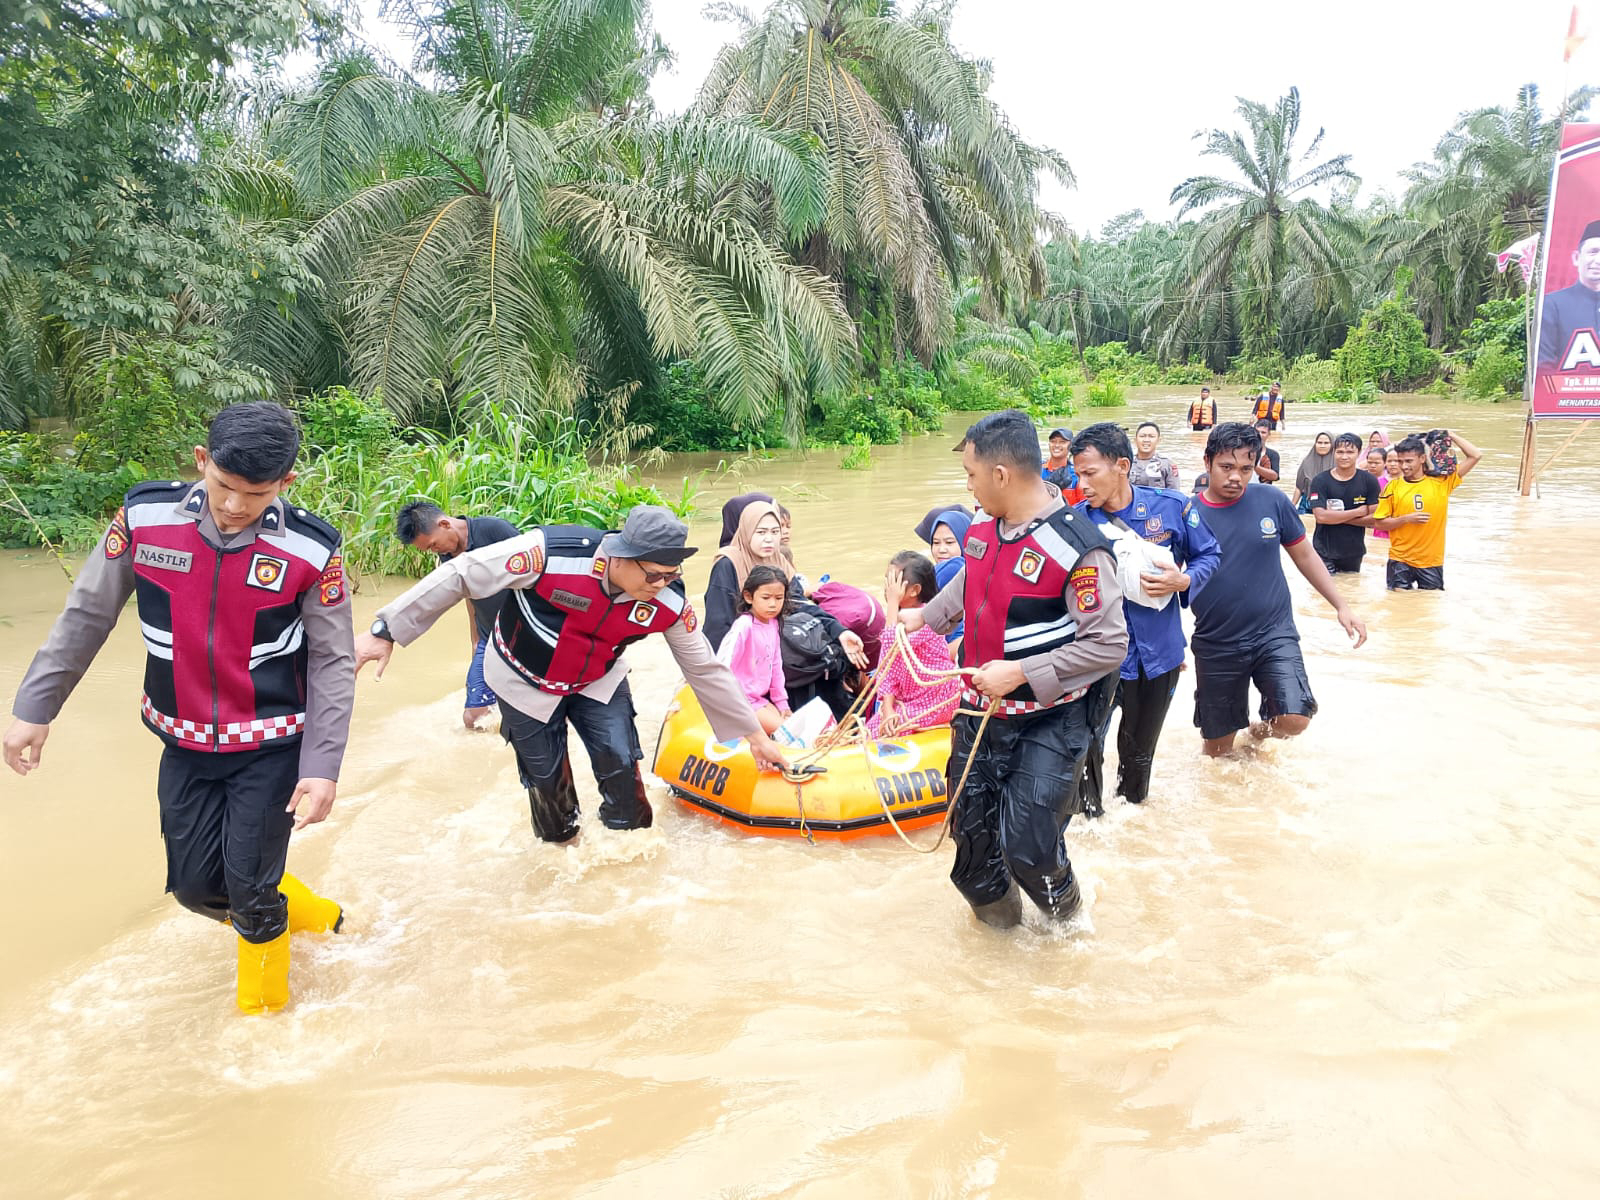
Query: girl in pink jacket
{"type": "Point", "coordinates": [753, 649]}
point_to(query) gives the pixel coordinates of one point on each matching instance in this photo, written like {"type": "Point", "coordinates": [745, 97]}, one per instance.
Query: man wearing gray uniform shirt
{"type": "Point", "coordinates": [249, 679]}
{"type": "Point", "coordinates": [575, 598]}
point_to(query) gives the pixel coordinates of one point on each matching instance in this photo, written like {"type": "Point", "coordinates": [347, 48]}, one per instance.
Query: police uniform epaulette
{"type": "Point", "coordinates": [168, 490]}
{"type": "Point", "coordinates": [304, 521]}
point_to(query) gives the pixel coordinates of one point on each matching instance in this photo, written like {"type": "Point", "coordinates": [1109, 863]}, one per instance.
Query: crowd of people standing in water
{"type": "Point", "coordinates": [1035, 615]}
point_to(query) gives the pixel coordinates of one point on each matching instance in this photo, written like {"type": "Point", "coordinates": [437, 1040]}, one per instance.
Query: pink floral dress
{"type": "Point", "coordinates": [917, 707]}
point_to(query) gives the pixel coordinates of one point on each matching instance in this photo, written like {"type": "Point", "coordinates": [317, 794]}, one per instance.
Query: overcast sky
{"type": "Point", "coordinates": [1121, 88]}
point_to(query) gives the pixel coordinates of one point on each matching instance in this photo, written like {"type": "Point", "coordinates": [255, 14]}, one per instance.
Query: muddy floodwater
{"type": "Point", "coordinates": [1366, 963]}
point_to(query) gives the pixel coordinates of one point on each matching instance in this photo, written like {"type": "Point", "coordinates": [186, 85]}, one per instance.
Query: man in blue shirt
{"type": "Point", "coordinates": [1103, 457]}
{"type": "Point", "coordinates": [1244, 629]}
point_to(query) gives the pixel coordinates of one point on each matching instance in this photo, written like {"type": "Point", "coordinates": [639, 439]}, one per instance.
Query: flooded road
{"type": "Point", "coordinates": [1364, 962]}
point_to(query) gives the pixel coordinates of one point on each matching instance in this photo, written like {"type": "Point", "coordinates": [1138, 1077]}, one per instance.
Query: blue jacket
{"type": "Point", "coordinates": [1173, 520]}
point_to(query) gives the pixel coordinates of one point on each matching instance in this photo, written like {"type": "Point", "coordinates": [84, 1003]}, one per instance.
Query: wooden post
{"type": "Point", "coordinates": [1525, 470]}
{"type": "Point", "coordinates": [1559, 451]}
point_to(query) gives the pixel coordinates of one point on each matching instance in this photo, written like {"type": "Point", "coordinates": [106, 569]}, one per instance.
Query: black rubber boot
{"type": "Point", "coordinates": [1004, 913]}
{"type": "Point", "coordinates": [1069, 904]}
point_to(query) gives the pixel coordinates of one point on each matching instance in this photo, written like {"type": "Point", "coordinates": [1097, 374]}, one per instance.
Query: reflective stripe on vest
{"type": "Point", "coordinates": [1015, 603]}
{"type": "Point", "coordinates": [226, 654]}
{"type": "Point", "coordinates": [565, 631]}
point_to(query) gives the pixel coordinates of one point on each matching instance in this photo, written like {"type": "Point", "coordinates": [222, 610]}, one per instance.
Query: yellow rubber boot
{"type": "Point", "coordinates": [264, 975]}
{"type": "Point", "coordinates": [309, 912]}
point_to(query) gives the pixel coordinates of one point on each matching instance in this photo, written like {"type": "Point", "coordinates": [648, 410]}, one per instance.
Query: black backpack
{"type": "Point", "coordinates": [811, 649]}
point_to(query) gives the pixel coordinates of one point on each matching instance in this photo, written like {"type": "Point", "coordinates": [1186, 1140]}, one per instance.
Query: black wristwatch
{"type": "Point", "coordinates": [380, 628]}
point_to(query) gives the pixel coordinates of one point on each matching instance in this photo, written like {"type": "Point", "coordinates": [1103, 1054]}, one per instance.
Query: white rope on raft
{"type": "Point", "coordinates": [851, 731]}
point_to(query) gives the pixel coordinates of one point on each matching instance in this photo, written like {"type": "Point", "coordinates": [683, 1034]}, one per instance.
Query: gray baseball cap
{"type": "Point", "coordinates": [653, 534]}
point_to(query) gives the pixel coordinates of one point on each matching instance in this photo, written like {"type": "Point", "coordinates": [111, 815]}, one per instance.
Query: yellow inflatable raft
{"type": "Point", "coordinates": [845, 800]}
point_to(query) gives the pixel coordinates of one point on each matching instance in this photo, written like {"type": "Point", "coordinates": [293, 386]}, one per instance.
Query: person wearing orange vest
{"type": "Point", "coordinates": [1203, 412]}
{"type": "Point", "coordinates": [1269, 407]}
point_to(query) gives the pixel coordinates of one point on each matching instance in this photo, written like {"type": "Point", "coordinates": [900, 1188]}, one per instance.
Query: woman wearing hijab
{"type": "Point", "coordinates": [756, 541]}
{"type": "Point", "coordinates": [1319, 460]}
{"type": "Point", "coordinates": [945, 531]}
{"type": "Point", "coordinates": [730, 514]}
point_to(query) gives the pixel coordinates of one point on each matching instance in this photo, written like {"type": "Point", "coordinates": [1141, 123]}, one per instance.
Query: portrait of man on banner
{"type": "Point", "coordinates": [1567, 356]}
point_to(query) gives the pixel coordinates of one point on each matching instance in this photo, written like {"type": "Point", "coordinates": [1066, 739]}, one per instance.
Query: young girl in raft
{"type": "Point", "coordinates": [904, 705]}
{"type": "Point", "coordinates": [752, 650]}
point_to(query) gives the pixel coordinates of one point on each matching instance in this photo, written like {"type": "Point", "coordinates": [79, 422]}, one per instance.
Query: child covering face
{"type": "Point", "coordinates": [753, 649]}
{"type": "Point", "coordinates": [905, 705]}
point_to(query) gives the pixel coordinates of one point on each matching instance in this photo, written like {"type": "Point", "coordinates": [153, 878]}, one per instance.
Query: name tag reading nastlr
{"type": "Point", "coordinates": [163, 558]}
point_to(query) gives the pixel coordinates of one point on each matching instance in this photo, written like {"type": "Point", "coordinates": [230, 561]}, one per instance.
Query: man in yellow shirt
{"type": "Point", "coordinates": [1413, 509]}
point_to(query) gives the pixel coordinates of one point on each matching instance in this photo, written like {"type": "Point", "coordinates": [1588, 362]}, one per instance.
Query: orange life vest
{"type": "Point", "coordinates": [1202, 414]}
{"type": "Point", "coordinates": [1269, 407]}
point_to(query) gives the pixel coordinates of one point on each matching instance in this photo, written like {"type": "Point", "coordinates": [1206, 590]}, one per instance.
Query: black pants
{"type": "Point", "coordinates": [1348, 565]}
{"type": "Point", "coordinates": [608, 734]}
{"type": "Point", "coordinates": [1403, 577]}
{"type": "Point", "coordinates": [226, 830]}
{"type": "Point", "coordinates": [1144, 703]}
{"type": "Point", "coordinates": [1011, 819]}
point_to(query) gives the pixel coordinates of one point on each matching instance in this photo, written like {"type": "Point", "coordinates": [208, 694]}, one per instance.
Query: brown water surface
{"type": "Point", "coordinates": [1365, 962]}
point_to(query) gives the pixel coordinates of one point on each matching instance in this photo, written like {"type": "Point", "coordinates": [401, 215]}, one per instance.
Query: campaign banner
{"type": "Point", "coordinates": [1566, 379]}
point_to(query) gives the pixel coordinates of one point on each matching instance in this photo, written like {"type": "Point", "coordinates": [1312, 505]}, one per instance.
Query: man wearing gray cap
{"type": "Point", "coordinates": [575, 598]}
{"type": "Point", "coordinates": [1574, 308]}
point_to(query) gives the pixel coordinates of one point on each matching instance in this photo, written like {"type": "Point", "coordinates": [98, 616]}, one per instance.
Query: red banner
{"type": "Point", "coordinates": [1566, 380]}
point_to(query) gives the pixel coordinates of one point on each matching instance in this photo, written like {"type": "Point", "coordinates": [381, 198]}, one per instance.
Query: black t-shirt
{"type": "Point", "coordinates": [481, 532]}
{"type": "Point", "coordinates": [1342, 542]}
{"type": "Point", "coordinates": [1246, 601]}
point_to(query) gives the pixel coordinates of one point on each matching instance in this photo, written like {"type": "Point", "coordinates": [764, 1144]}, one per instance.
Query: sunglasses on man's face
{"type": "Point", "coordinates": [662, 576]}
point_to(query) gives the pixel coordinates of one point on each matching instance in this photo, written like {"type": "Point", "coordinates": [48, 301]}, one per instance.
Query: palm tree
{"type": "Point", "coordinates": [1486, 186]}
{"type": "Point", "coordinates": [526, 232]}
{"type": "Point", "coordinates": [1267, 224]}
{"type": "Point", "coordinates": [926, 181]}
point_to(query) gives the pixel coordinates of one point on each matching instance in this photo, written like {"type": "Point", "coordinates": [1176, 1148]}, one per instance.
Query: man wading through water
{"type": "Point", "coordinates": [427, 528]}
{"type": "Point", "coordinates": [1045, 630]}
{"type": "Point", "coordinates": [249, 679]}
{"type": "Point", "coordinates": [575, 599]}
{"type": "Point", "coordinates": [1244, 629]}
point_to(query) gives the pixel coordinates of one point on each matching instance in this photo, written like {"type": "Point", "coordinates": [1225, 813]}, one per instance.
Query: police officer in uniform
{"type": "Point", "coordinates": [249, 679]}
{"type": "Point", "coordinates": [575, 598]}
{"type": "Point", "coordinates": [1045, 635]}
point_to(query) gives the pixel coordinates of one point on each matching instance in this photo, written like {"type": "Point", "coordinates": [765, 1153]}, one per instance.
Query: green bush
{"type": "Point", "coordinates": [157, 398]}
{"type": "Point", "coordinates": [1389, 347]}
{"type": "Point", "coordinates": [1187, 374]}
{"type": "Point", "coordinates": [969, 387]}
{"type": "Point", "coordinates": [912, 391]}
{"type": "Point", "coordinates": [58, 500]}
{"type": "Point", "coordinates": [1495, 349]}
{"type": "Point", "coordinates": [340, 417]}
{"type": "Point", "coordinates": [683, 415]}
{"type": "Point", "coordinates": [1495, 372]}
{"type": "Point", "coordinates": [1256, 373]}
{"type": "Point", "coordinates": [1308, 376]}
{"type": "Point", "coordinates": [1107, 392]}
{"type": "Point", "coordinates": [859, 456]}
{"type": "Point", "coordinates": [1114, 358]}
{"type": "Point", "coordinates": [863, 413]}
{"type": "Point", "coordinates": [1050, 395]}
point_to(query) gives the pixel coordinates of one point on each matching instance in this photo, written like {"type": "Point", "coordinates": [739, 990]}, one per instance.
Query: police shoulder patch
{"type": "Point", "coordinates": [690, 621]}
{"type": "Point", "coordinates": [330, 584]}
{"type": "Point", "coordinates": [1085, 583]}
{"type": "Point", "coordinates": [117, 535]}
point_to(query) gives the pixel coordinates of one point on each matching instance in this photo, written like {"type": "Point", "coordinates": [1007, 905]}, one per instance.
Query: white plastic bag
{"type": "Point", "coordinates": [804, 727]}
{"type": "Point", "coordinates": [1136, 557]}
